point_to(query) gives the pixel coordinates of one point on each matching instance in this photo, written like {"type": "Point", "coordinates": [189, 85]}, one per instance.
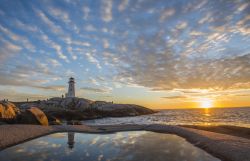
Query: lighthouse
{"type": "Point", "coordinates": [71, 89]}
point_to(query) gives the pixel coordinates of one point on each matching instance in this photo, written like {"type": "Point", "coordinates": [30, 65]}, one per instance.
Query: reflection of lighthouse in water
{"type": "Point", "coordinates": [71, 142]}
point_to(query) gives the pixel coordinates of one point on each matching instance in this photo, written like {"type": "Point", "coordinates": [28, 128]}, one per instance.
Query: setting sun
{"type": "Point", "coordinates": [206, 103]}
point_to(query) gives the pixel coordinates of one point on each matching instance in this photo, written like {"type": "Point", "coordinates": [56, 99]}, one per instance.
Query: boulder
{"type": "Point", "coordinates": [53, 120]}
{"type": "Point", "coordinates": [40, 116]}
{"type": "Point", "coordinates": [33, 116]}
{"type": "Point", "coordinates": [8, 110]}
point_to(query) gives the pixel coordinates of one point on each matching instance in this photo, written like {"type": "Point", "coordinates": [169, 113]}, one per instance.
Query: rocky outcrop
{"type": "Point", "coordinates": [33, 115]}
{"type": "Point", "coordinates": [73, 114]}
{"type": "Point", "coordinates": [57, 102]}
{"type": "Point", "coordinates": [83, 109]}
{"type": "Point", "coordinates": [120, 110]}
{"type": "Point", "coordinates": [105, 110]}
{"type": "Point", "coordinates": [8, 110]}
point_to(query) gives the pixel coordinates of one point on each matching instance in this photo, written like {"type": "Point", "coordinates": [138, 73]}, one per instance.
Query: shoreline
{"type": "Point", "coordinates": [223, 146]}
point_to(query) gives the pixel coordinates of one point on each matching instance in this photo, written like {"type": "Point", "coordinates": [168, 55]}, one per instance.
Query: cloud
{"type": "Point", "coordinates": [69, 49]}
{"type": "Point", "coordinates": [53, 88]}
{"type": "Point", "coordinates": [122, 6]}
{"type": "Point", "coordinates": [196, 33]}
{"type": "Point", "coordinates": [26, 27]}
{"type": "Point", "coordinates": [90, 27]}
{"type": "Point", "coordinates": [242, 7]}
{"type": "Point", "coordinates": [81, 43]}
{"type": "Point", "coordinates": [110, 59]}
{"type": "Point", "coordinates": [64, 16]}
{"type": "Point", "coordinates": [69, 73]}
{"type": "Point", "coordinates": [13, 95]}
{"type": "Point", "coordinates": [58, 14]}
{"type": "Point", "coordinates": [8, 50]}
{"type": "Point", "coordinates": [18, 39]}
{"type": "Point", "coordinates": [54, 28]}
{"type": "Point", "coordinates": [105, 43]}
{"type": "Point", "coordinates": [58, 49]}
{"type": "Point", "coordinates": [174, 97]}
{"type": "Point", "coordinates": [106, 10]}
{"type": "Point", "coordinates": [54, 62]}
{"type": "Point", "coordinates": [94, 81]}
{"type": "Point", "coordinates": [206, 19]}
{"type": "Point", "coordinates": [26, 75]}
{"type": "Point", "coordinates": [165, 72]}
{"type": "Point", "coordinates": [183, 46]}
{"type": "Point", "coordinates": [242, 26]}
{"type": "Point", "coordinates": [2, 13]}
{"type": "Point", "coordinates": [55, 46]}
{"type": "Point", "coordinates": [93, 60]}
{"type": "Point", "coordinates": [182, 25]}
{"type": "Point", "coordinates": [97, 90]}
{"type": "Point", "coordinates": [86, 12]}
{"type": "Point", "coordinates": [166, 14]}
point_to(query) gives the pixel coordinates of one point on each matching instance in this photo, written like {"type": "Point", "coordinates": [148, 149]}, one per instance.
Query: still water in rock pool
{"type": "Point", "coordinates": [136, 145]}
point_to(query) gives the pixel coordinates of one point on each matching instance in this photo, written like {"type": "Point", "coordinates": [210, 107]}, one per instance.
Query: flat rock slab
{"type": "Point", "coordinates": [225, 147]}
{"type": "Point", "coordinates": [14, 134]}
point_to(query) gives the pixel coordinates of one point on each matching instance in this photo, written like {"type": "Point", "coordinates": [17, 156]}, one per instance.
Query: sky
{"type": "Point", "coordinates": [155, 53]}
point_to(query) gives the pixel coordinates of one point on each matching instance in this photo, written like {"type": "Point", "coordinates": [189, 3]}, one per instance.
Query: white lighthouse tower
{"type": "Point", "coordinates": [71, 89]}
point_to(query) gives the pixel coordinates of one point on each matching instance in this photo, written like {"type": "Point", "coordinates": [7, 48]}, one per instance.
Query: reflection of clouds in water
{"type": "Point", "coordinates": [157, 145]}
{"type": "Point", "coordinates": [100, 157]}
{"type": "Point", "coordinates": [118, 136]}
{"type": "Point", "coordinates": [43, 149]}
{"type": "Point", "coordinates": [106, 137]}
{"type": "Point", "coordinates": [118, 146]}
{"type": "Point", "coordinates": [102, 144]}
{"type": "Point", "coordinates": [56, 145]}
{"type": "Point", "coordinates": [58, 135]}
{"type": "Point", "coordinates": [20, 150]}
{"type": "Point", "coordinates": [68, 151]}
{"type": "Point", "coordinates": [42, 143]}
{"type": "Point", "coordinates": [94, 141]}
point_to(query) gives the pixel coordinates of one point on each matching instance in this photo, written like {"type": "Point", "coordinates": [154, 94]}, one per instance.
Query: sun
{"type": "Point", "coordinates": [206, 103]}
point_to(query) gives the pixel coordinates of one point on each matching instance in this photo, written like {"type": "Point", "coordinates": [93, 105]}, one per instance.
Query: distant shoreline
{"type": "Point", "coordinates": [196, 108]}
{"type": "Point", "coordinates": [224, 146]}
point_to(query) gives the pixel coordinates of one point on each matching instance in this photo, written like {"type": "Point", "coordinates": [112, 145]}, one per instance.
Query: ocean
{"type": "Point", "coordinates": [211, 116]}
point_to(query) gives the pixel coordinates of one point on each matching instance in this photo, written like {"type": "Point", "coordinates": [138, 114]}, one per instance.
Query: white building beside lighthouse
{"type": "Point", "coordinates": [71, 89]}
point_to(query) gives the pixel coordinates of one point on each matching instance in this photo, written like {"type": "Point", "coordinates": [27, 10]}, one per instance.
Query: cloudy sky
{"type": "Point", "coordinates": [160, 54]}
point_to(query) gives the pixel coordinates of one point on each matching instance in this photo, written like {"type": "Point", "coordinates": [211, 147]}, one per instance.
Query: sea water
{"type": "Point", "coordinates": [211, 116]}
